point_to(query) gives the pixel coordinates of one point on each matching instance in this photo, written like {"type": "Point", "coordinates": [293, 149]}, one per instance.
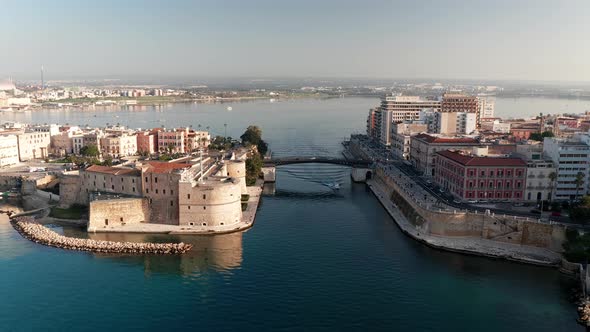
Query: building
{"type": "Point", "coordinates": [407, 108]}
{"type": "Point", "coordinates": [117, 146]}
{"type": "Point", "coordinates": [171, 141]}
{"type": "Point", "coordinates": [33, 145]}
{"type": "Point", "coordinates": [456, 123]}
{"type": "Point", "coordinates": [106, 179]}
{"type": "Point", "coordinates": [8, 150]}
{"type": "Point", "coordinates": [539, 182]}
{"type": "Point", "coordinates": [196, 140]}
{"type": "Point", "coordinates": [460, 103]}
{"type": "Point", "coordinates": [372, 124]}
{"type": "Point", "coordinates": [147, 142]}
{"type": "Point", "coordinates": [470, 177]}
{"type": "Point", "coordinates": [401, 134]}
{"type": "Point", "coordinates": [571, 157]}
{"type": "Point", "coordinates": [424, 146]}
{"type": "Point", "coordinates": [160, 181]}
{"type": "Point", "coordinates": [486, 106]}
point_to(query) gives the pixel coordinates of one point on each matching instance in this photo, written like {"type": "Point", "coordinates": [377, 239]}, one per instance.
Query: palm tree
{"type": "Point", "coordinates": [579, 181]}
{"type": "Point", "coordinates": [552, 178]}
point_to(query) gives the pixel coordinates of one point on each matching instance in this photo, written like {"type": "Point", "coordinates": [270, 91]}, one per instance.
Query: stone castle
{"type": "Point", "coordinates": [205, 194]}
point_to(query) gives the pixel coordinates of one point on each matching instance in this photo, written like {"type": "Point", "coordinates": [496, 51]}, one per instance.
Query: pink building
{"type": "Point", "coordinates": [147, 142]}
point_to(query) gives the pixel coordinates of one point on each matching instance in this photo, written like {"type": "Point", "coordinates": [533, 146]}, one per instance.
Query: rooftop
{"type": "Point", "coordinates": [471, 160]}
{"type": "Point", "coordinates": [162, 167]}
{"type": "Point", "coordinates": [445, 140]}
{"type": "Point", "coordinates": [113, 170]}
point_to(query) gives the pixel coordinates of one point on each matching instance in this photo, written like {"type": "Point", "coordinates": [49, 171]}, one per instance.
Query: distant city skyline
{"type": "Point", "coordinates": [479, 40]}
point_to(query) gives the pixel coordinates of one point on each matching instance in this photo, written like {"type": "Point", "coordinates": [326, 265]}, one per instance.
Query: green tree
{"type": "Point", "coordinates": [90, 150]}
{"type": "Point", "coordinates": [252, 135]}
{"type": "Point", "coordinates": [552, 178]}
{"type": "Point", "coordinates": [579, 181]}
{"type": "Point", "coordinates": [540, 136]}
{"type": "Point", "coordinates": [253, 168]}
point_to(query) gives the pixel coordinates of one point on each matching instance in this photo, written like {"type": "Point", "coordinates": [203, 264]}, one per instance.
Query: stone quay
{"type": "Point", "coordinates": [38, 233]}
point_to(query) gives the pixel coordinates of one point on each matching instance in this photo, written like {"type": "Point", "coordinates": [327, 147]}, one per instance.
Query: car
{"type": "Point", "coordinates": [556, 214]}
{"type": "Point", "coordinates": [456, 201]}
{"type": "Point", "coordinates": [535, 211]}
{"type": "Point", "coordinates": [484, 201]}
{"type": "Point", "coordinates": [518, 204]}
{"type": "Point", "coordinates": [472, 201]}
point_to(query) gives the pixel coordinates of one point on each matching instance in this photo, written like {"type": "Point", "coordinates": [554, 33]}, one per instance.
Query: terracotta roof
{"type": "Point", "coordinates": [164, 167]}
{"type": "Point", "coordinates": [113, 170]}
{"type": "Point", "coordinates": [445, 140]}
{"type": "Point", "coordinates": [469, 160]}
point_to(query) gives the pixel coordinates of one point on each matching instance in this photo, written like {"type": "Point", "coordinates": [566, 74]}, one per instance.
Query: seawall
{"type": "Point", "coordinates": [465, 245]}
{"type": "Point", "coordinates": [38, 233]}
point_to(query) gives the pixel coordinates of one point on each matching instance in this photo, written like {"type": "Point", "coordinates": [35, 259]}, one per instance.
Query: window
{"type": "Point", "coordinates": [204, 208]}
{"type": "Point", "coordinates": [121, 218]}
{"type": "Point", "coordinates": [189, 207]}
{"type": "Point", "coordinates": [204, 224]}
{"type": "Point", "coordinates": [171, 203]}
{"type": "Point", "coordinates": [146, 179]}
{"type": "Point", "coordinates": [163, 191]}
{"type": "Point", "coordinates": [156, 179]}
{"type": "Point", "coordinates": [147, 191]}
{"type": "Point", "coordinates": [191, 223]}
{"type": "Point", "coordinates": [156, 191]}
{"type": "Point", "coordinates": [482, 173]}
{"type": "Point", "coordinates": [188, 196]}
{"type": "Point", "coordinates": [204, 196]}
{"type": "Point", "coordinates": [133, 189]}
{"type": "Point", "coordinates": [106, 222]}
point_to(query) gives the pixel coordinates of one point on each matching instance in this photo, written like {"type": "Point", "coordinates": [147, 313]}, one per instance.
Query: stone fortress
{"type": "Point", "coordinates": [191, 194]}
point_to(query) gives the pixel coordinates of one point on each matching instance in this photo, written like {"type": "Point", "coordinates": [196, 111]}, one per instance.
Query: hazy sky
{"type": "Point", "coordinates": [492, 39]}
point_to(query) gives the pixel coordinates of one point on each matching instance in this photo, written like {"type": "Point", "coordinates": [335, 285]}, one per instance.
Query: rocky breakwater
{"type": "Point", "coordinates": [38, 233]}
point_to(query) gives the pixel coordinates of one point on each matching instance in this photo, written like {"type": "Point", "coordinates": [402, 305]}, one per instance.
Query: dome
{"type": "Point", "coordinates": [6, 85]}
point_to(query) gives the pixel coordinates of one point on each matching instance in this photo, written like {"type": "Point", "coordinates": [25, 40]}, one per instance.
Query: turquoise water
{"type": "Point", "coordinates": [315, 259]}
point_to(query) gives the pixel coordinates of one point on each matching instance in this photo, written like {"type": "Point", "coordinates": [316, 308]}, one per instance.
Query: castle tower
{"type": "Point", "coordinates": [237, 169]}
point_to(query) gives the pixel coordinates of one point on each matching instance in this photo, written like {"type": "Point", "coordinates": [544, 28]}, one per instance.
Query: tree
{"type": "Point", "coordinates": [552, 178]}
{"type": "Point", "coordinates": [90, 150]}
{"type": "Point", "coordinates": [252, 135]}
{"type": "Point", "coordinates": [253, 168]}
{"type": "Point", "coordinates": [540, 136]}
{"type": "Point", "coordinates": [579, 181]}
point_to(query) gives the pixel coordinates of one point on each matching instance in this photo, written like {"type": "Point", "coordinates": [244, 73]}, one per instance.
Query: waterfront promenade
{"type": "Point", "coordinates": [466, 245]}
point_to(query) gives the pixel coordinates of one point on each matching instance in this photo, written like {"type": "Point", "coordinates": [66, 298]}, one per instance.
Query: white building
{"type": "Point", "coordinates": [8, 150]}
{"type": "Point", "coordinates": [501, 127]}
{"type": "Point", "coordinates": [407, 108]}
{"type": "Point", "coordinates": [570, 157]}
{"type": "Point", "coordinates": [486, 106]}
{"type": "Point", "coordinates": [401, 134]}
{"type": "Point", "coordinates": [33, 145]}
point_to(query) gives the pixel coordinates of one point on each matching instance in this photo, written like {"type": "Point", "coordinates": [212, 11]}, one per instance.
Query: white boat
{"type": "Point", "coordinates": [229, 108]}
{"type": "Point", "coordinates": [333, 186]}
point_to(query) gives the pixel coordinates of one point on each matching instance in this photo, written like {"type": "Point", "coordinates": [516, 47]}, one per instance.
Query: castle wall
{"type": "Point", "coordinates": [117, 212]}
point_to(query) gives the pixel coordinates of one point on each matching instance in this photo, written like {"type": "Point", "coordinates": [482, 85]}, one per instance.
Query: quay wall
{"type": "Point", "coordinates": [434, 221]}
{"type": "Point", "coordinates": [117, 212]}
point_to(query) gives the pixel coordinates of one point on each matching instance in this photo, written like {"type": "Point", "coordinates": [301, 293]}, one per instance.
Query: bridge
{"type": "Point", "coordinates": [321, 160]}
{"type": "Point", "coordinates": [361, 170]}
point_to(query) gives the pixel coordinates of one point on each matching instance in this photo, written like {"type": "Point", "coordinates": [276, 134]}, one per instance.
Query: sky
{"type": "Point", "coordinates": [488, 40]}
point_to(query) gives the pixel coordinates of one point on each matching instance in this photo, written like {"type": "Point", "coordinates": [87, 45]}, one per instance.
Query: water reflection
{"type": "Point", "coordinates": [217, 252]}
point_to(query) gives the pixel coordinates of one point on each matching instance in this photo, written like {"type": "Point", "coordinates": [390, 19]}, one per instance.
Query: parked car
{"type": "Point", "coordinates": [472, 201]}
{"type": "Point", "coordinates": [518, 204]}
{"type": "Point", "coordinates": [484, 201]}
{"type": "Point", "coordinates": [535, 211]}
{"type": "Point", "coordinates": [556, 214]}
{"type": "Point", "coordinates": [456, 201]}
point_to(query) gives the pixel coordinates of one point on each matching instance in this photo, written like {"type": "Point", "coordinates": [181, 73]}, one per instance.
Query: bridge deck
{"type": "Point", "coordinates": [321, 160]}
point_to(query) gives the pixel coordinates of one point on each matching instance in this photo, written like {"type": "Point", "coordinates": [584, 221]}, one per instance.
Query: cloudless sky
{"type": "Point", "coordinates": [493, 39]}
